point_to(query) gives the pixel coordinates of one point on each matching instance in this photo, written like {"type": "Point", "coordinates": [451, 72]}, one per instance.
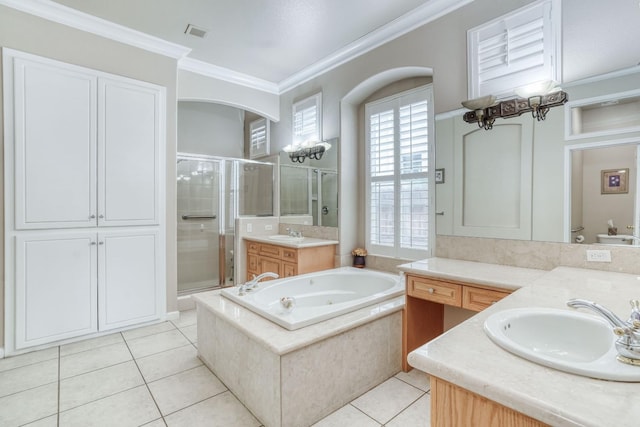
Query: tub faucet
{"type": "Point", "coordinates": [628, 343]}
{"type": "Point", "coordinates": [249, 285]}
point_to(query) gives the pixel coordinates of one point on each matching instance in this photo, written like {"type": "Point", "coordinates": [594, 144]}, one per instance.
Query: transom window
{"type": "Point", "coordinates": [399, 144]}
{"type": "Point", "coordinates": [307, 120]}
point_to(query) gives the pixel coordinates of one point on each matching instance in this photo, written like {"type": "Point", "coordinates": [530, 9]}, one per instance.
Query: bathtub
{"type": "Point", "coordinates": [300, 301]}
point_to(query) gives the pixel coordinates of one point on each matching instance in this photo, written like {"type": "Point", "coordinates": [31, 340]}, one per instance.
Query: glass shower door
{"type": "Point", "coordinates": [199, 216]}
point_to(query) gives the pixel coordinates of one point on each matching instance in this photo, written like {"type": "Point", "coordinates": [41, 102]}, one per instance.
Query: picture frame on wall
{"type": "Point", "coordinates": [440, 176]}
{"type": "Point", "coordinates": [615, 181]}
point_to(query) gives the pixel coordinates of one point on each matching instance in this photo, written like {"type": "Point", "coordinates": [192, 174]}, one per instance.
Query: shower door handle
{"type": "Point", "coordinates": [187, 217]}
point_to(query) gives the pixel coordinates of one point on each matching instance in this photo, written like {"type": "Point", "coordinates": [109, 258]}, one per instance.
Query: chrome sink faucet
{"type": "Point", "coordinates": [293, 233]}
{"type": "Point", "coordinates": [628, 343]}
{"type": "Point", "coordinates": [251, 284]}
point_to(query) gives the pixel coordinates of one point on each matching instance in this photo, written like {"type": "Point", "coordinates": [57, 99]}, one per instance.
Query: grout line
{"type": "Point", "coordinates": [362, 412]}
{"type": "Point", "coordinates": [58, 408]}
{"type": "Point", "coordinates": [145, 382]}
{"type": "Point", "coordinates": [199, 401]}
{"type": "Point", "coordinates": [407, 407]}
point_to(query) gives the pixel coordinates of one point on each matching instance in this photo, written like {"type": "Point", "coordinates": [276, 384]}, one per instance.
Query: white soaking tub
{"type": "Point", "coordinates": [319, 296]}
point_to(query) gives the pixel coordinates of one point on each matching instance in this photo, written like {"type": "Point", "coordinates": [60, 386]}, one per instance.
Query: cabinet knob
{"type": "Point", "coordinates": [430, 290]}
{"type": "Point", "coordinates": [101, 216]}
{"type": "Point", "coordinates": [92, 217]}
{"type": "Point", "coordinates": [101, 243]}
{"type": "Point", "coordinates": [93, 243]}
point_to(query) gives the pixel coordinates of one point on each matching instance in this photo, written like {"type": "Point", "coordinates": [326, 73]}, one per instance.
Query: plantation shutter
{"type": "Point", "coordinates": [512, 51]}
{"type": "Point", "coordinates": [398, 148]}
{"type": "Point", "coordinates": [307, 119]}
{"type": "Point", "coordinates": [258, 138]}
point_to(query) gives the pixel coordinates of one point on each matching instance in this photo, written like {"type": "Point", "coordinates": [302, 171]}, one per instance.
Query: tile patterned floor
{"type": "Point", "coordinates": [151, 376]}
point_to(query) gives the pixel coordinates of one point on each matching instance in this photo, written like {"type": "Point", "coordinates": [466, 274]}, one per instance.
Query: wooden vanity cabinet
{"type": "Point", "coordinates": [423, 318]}
{"type": "Point", "coordinates": [286, 261]}
{"type": "Point", "coordinates": [453, 406]}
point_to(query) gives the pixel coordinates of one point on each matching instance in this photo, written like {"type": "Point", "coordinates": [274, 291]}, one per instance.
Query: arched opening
{"type": "Point", "coordinates": [350, 217]}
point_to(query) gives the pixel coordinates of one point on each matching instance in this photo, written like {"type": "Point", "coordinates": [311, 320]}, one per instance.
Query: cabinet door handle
{"type": "Point", "coordinates": [101, 216]}
{"type": "Point", "coordinates": [92, 217]}
{"type": "Point", "coordinates": [101, 243]}
{"type": "Point", "coordinates": [93, 243]}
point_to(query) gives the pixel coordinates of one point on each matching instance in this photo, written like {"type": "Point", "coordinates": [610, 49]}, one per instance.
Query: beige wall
{"type": "Point", "coordinates": [34, 35]}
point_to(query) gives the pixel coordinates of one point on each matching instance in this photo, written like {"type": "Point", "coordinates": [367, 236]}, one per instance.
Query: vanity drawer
{"type": "Point", "coordinates": [434, 290]}
{"type": "Point", "coordinates": [271, 250]}
{"type": "Point", "coordinates": [477, 299]}
{"type": "Point", "coordinates": [290, 255]}
{"type": "Point", "coordinates": [253, 247]}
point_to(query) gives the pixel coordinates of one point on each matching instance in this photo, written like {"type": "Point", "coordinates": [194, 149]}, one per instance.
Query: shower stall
{"type": "Point", "coordinates": [212, 192]}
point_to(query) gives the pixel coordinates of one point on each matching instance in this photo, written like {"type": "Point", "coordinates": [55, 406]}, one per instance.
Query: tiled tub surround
{"type": "Point", "coordinates": [295, 378]}
{"type": "Point", "coordinates": [465, 356]}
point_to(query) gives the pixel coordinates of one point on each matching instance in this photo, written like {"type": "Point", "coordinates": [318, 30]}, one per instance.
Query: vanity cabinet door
{"type": "Point", "coordinates": [270, 264]}
{"type": "Point", "coordinates": [56, 287]}
{"type": "Point", "coordinates": [54, 144]}
{"type": "Point", "coordinates": [129, 269]}
{"type": "Point", "coordinates": [289, 270]}
{"type": "Point", "coordinates": [129, 135]}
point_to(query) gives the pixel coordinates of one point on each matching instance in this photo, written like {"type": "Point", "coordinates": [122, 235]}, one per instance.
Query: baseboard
{"type": "Point", "coordinates": [186, 303]}
{"type": "Point", "coordinates": [172, 315]}
{"type": "Point", "coordinates": [1, 352]}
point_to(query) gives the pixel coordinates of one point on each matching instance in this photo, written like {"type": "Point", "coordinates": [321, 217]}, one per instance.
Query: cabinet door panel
{"type": "Point", "coordinates": [129, 153]}
{"type": "Point", "coordinates": [128, 278]}
{"type": "Point", "coordinates": [56, 287]}
{"type": "Point", "coordinates": [55, 145]}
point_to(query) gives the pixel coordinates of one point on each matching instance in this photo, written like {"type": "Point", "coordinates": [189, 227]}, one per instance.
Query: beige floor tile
{"type": "Point", "coordinates": [133, 407]}
{"type": "Point", "coordinates": [221, 410]}
{"type": "Point", "coordinates": [90, 360]}
{"type": "Point", "coordinates": [156, 423]}
{"type": "Point", "coordinates": [191, 332]}
{"type": "Point", "coordinates": [416, 415]}
{"type": "Point", "coordinates": [28, 358]}
{"type": "Point", "coordinates": [187, 318]}
{"type": "Point", "coordinates": [94, 385]}
{"type": "Point", "coordinates": [30, 376]}
{"type": "Point", "coordinates": [186, 388]}
{"type": "Point", "coordinates": [169, 362]}
{"type": "Point", "coordinates": [51, 421]}
{"type": "Point", "coordinates": [90, 344]}
{"type": "Point", "coordinates": [347, 416]}
{"type": "Point", "coordinates": [147, 330]}
{"type": "Point", "coordinates": [416, 378]}
{"type": "Point", "coordinates": [387, 400]}
{"type": "Point", "coordinates": [28, 406]}
{"type": "Point", "coordinates": [151, 344]}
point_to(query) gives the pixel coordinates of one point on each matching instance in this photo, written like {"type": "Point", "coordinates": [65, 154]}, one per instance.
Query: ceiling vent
{"type": "Point", "coordinates": [192, 30]}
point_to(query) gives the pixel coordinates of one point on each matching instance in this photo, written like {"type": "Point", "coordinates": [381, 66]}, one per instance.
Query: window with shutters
{"type": "Point", "coordinates": [399, 162]}
{"type": "Point", "coordinates": [259, 138]}
{"type": "Point", "coordinates": [307, 120]}
{"type": "Point", "coordinates": [514, 50]}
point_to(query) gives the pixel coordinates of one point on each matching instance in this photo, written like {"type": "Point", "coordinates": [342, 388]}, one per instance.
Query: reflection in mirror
{"type": "Point", "coordinates": [604, 194]}
{"type": "Point", "coordinates": [310, 189]}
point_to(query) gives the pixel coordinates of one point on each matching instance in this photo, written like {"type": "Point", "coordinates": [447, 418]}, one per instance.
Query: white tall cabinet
{"type": "Point", "coordinates": [84, 207]}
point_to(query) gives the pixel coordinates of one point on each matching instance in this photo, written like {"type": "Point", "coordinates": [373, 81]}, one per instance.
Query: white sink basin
{"type": "Point", "coordinates": [285, 238]}
{"type": "Point", "coordinates": [569, 341]}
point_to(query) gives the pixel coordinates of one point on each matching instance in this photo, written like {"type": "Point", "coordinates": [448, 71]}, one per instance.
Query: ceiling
{"type": "Point", "coordinates": [271, 40]}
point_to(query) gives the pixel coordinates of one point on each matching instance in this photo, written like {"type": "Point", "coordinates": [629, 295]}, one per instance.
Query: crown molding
{"type": "Point", "coordinates": [221, 73]}
{"type": "Point", "coordinates": [606, 76]}
{"type": "Point", "coordinates": [408, 22]}
{"type": "Point", "coordinates": [64, 15]}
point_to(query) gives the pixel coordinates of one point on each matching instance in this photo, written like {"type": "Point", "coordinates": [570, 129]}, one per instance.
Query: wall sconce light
{"type": "Point", "coordinates": [311, 149]}
{"type": "Point", "coordinates": [537, 99]}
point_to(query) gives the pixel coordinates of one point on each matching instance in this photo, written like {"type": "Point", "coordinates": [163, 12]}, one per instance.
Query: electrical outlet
{"type": "Point", "coordinates": [268, 227]}
{"type": "Point", "coordinates": [599, 255]}
{"type": "Point", "coordinates": [249, 228]}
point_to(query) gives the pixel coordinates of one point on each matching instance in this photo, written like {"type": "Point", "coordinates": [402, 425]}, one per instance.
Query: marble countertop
{"type": "Point", "coordinates": [466, 357]}
{"type": "Point", "coordinates": [307, 242]}
{"type": "Point", "coordinates": [497, 276]}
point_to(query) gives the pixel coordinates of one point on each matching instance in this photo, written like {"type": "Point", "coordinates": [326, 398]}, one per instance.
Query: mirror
{"type": "Point", "coordinates": [309, 189]}
{"type": "Point", "coordinates": [556, 170]}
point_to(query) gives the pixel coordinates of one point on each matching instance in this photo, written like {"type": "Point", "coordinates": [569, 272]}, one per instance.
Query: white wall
{"type": "Point", "coordinates": [211, 129]}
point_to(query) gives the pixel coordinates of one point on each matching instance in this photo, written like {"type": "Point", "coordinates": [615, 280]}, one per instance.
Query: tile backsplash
{"type": "Point", "coordinates": [530, 254]}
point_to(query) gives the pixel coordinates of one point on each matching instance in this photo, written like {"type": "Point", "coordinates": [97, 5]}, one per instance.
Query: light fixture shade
{"type": "Point", "coordinates": [540, 88]}
{"type": "Point", "coordinates": [479, 103]}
